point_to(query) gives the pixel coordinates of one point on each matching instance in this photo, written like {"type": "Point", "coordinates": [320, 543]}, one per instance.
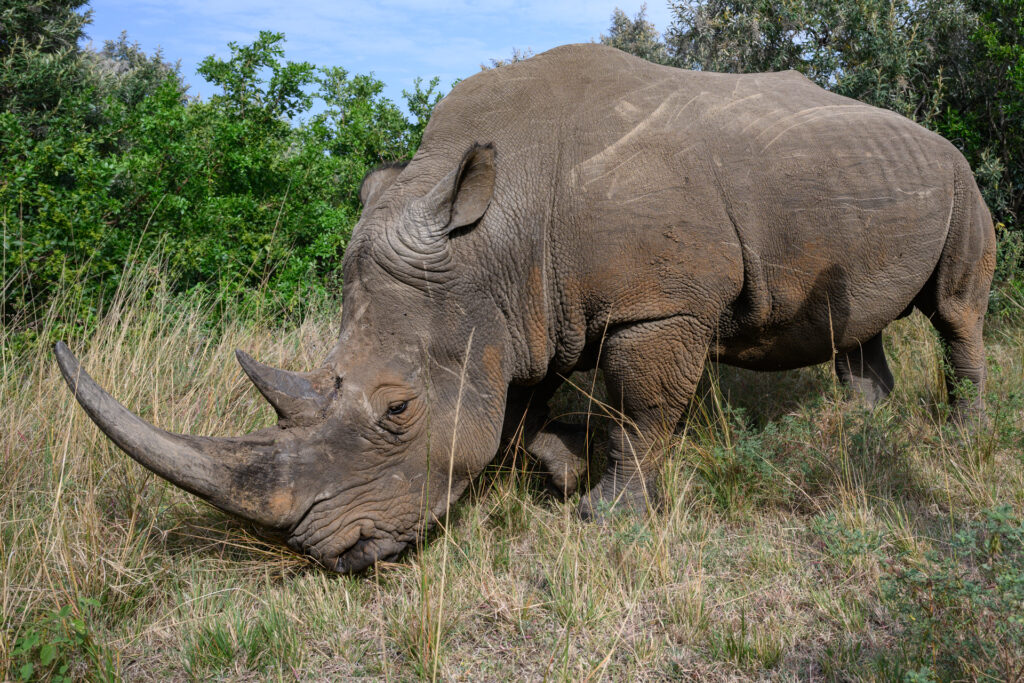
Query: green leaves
{"type": "Point", "coordinates": [49, 647]}
{"type": "Point", "coordinates": [39, 64]}
{"type": "Point", "coordinates": [637, 36]}
{"type": "Point", "coordinates": [247, 87]}
{"type": "Point", "coordinates": [233, 194]}
{"type": "Point", "coordinates": [961, 610]}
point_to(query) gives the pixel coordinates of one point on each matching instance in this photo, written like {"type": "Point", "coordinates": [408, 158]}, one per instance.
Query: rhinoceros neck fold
{"type": "Point", "coordinates": [415, 259]}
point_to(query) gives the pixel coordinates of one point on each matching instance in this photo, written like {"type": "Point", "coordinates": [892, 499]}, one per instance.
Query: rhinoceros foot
{"type": "Point", "coordinates": [610, 498]}
{"type": "Point", "coordinates": [966, 387]}
{"type": "Point", "coordinates": [864, 371]}
{"type": "Point", "coordinates": [562, 448]}
{"type": "Point", "coordinates": [970, 416]}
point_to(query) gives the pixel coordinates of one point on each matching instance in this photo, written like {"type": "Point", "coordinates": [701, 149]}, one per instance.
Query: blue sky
{"type": "Point", "coordinates": [397, 40]}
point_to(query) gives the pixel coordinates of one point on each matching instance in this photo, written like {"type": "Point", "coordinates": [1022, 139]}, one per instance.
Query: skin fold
{"type": "Point", "coordinates": [588, 209]}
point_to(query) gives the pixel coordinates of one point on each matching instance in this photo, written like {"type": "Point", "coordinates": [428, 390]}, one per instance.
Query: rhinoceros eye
{"type": "Point", "coordinates": [397, 408]}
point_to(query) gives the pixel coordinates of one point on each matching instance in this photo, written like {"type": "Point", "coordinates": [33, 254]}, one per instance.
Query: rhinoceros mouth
{"type": "Point", "coordinates": [344, 542]}
{"type": "Point", "coordinates": [366, 552]}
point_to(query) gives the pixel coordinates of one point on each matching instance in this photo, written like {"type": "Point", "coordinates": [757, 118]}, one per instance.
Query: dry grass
{"type": "Point", "coordinates": [784, 511]}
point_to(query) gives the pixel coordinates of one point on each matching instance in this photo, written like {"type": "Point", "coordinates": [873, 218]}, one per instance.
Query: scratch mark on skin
{"type": "Point", "coordinates": [739, 101]}
{"type": "Point", "coordinates": [758, 120]}
{"type": "Point", "coordinates": [684, 150]}
{"type": "Point", "coordinates": [917, 193]}
{"type": "Point", "coordinates": [648, 121]}
{"type": "Point", "coordinates": [842, 107]}
{"type": "Point", "coordinates": [641, 197]}
{"type": "Point", "coordinates": [612, 169]}
{"type": "Point", "coordinates": [854, 207]}
{"type": "Point", "coordinates": [809, 110]}
{"type": "Point", "coordinates": [626, 109]}
{"type": "Point", "coordinates": [682, 110]}
{"type": "Point", "coordinates": [790, 269]}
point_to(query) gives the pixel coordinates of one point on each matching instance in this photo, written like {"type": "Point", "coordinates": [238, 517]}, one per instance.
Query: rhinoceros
{"type": "Point", "coordinates": [588, 209]}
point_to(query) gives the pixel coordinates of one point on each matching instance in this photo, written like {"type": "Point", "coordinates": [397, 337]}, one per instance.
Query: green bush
{"type": "Point", "coordinates": [236, 195]}
{"type": "Point", "coordinates": [50, 648]}
{"type": "Point", "coordinates": [962, 612]}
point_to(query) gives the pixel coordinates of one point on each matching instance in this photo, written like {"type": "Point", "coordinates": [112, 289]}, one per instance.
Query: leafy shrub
{"type": "Point", "coordinates": [235, 194]}
{"type": "Point", "coordinates": [734, 467]}
{"type": "Point", "coordinates": [842, 541]}
{"type": "Point", "coordinates": [49, 648]}
{"type": "Point", "coordinates": [963, 612]}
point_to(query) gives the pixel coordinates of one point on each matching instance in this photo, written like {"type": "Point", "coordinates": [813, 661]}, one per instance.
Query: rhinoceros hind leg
{"type": "Point", "coordinates": [965, 353]}
{"type": "Point", "coordinates": [956, 300]}
{"type": "Point", "coordinates": [651, 370]}
{"type": "Point", "coordinates": [865, 371]}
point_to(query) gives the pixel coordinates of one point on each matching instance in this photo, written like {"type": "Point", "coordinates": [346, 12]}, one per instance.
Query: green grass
{"type": "Point", "coordinates": [786, 547]}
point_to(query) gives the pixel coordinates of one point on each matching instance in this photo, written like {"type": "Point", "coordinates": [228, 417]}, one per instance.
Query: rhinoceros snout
{"type": "Point", "coordinates": [366, 552]}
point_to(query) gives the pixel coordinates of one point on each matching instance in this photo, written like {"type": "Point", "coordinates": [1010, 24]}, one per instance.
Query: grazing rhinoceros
{"type": "Point", "coordinates": [583, 209]}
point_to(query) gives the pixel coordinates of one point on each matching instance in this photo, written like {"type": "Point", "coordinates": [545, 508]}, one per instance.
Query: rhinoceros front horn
{"type": "Point", "coordinates": [298, 397]}
{"type": "Point", "coordinates": [239, 475]}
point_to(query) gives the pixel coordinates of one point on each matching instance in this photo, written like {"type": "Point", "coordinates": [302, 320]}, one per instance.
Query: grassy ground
{"type": "Point", "coordinates": [801, 538]}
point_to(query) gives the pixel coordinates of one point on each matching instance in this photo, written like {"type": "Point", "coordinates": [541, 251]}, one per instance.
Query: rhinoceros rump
{"type": "Point", "coordinates": [583, 209]}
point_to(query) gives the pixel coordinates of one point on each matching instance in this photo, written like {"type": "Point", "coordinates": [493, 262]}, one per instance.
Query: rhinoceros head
{"type": "Point", "coordinates": [371, 447]}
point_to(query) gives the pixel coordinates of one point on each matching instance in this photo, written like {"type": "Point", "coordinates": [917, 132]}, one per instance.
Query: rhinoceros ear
{"type": "Point", "coordinates": [462, 197]}
{"type": "Point", "coordinates": [378, 180]}
{"type": "Point", "coordinates": [475, 186]}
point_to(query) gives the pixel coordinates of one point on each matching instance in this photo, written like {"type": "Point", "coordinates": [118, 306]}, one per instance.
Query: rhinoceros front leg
{"type": "Point", "coordinates": [865, 371]}
{"type": "Point", "coordinates": [651, 370]}
{"type": "Point", "coordinates": [559, 446]}
{"type": "Point", "coordinates": [562, 449]}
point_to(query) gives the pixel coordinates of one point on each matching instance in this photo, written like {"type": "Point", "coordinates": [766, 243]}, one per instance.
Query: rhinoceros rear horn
{"type": "Point", "coordinates": [298, 397]}
{"type": "Point", "coordinates": [239, 475]}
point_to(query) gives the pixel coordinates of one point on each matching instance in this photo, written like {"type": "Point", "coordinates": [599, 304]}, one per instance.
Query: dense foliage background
{"type": "Point", "coordinates": [107, 162]}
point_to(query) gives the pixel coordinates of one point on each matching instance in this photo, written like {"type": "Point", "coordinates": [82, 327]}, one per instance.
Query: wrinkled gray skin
{"type": "Point", "coordinates": [585, 208]}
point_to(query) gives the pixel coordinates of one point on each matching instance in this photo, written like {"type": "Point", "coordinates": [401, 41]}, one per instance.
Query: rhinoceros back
{"type": "Point", "coordinates": [816, 218]}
